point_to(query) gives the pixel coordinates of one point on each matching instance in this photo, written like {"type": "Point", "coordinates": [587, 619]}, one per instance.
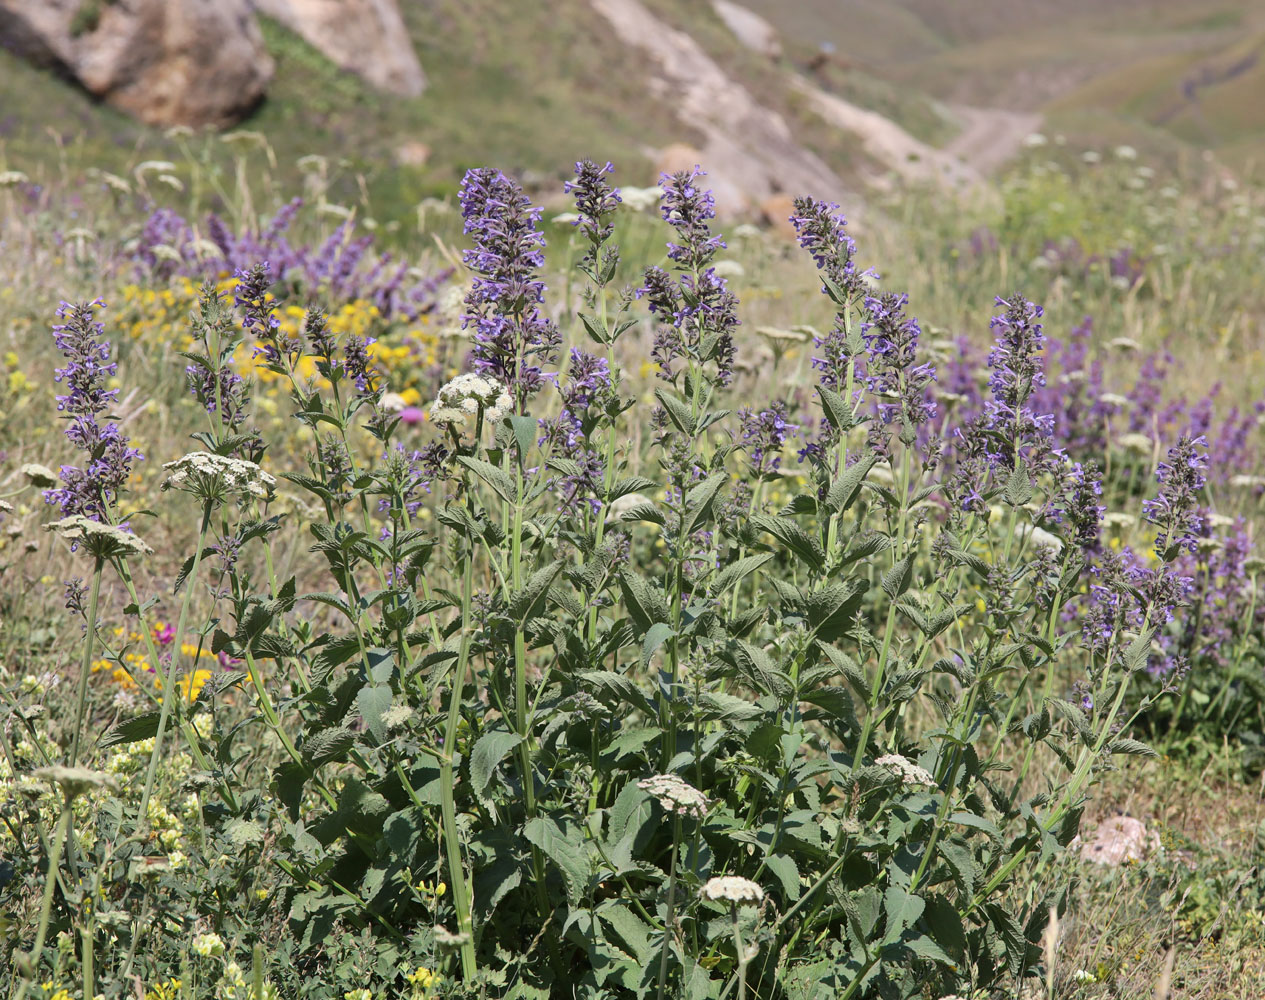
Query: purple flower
{"type": "Point", "coordinates": [511, 334]}
{"type": "Point", "coordinates": [763, 434]}
{"type": "Point", "coordinates": [93, 489]}
{"type": "Point", "coordinates": [1175, 510]}
{"type": "Point", "coordinates": [595, 200]}
{"type": "Point", "coordinates": [697, 313]}
{"type": "Point", "coordinates": [893, 371]}
{"type": "Point", "coordinates": [1081, 511]}
{"type": "Point", "coordinates": [687, 207]}
{"type": "Point", "coordinates": [821, 231]}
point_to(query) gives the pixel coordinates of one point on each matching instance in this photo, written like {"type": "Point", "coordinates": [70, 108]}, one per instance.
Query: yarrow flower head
{"type": "Point", "coordinates": [676, 795]}
{"type": "Point", "coordinates": [103, 540]}
{"type": "Point", "coordinates": [467, 395]}
{"type": "Point", "coordinates": [512, 336]}
{"type": "Point", "coordinates": [215, 477]}
{"type": "Point", "coordinates": [732, 889]}
{"type": "Point", "coordinates": [92, 490]}
{"type": "Point", "coordinates": [910, 774]}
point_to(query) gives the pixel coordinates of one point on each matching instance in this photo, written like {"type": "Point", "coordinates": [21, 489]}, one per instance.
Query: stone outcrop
{"type": "Point", "coordinates": [168, 62]}
{"type": "Point", "coordinates": [753, 31]}
{"type": "Point", "coordinates": [366, 37]}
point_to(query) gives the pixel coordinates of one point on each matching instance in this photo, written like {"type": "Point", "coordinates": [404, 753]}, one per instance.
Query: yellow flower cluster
{"type": "Point", "coordinates": [124, 668]}
{"type": "Point", "coordinates": [422, 980]}
{"type": "Point", "coordinates": [402, 352]}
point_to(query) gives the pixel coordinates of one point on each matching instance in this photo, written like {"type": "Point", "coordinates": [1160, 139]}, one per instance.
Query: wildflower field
{"type": "Point", "coordinates": [604, 602]}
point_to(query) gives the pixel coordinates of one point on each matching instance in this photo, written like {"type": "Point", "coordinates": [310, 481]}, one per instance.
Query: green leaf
{"type": "Point", "coordinates": [844, 491]}
{"type": "Point", "coordinates": [488, 752]}
{"type": "Point", "coordinates": [836, 409]}
{"type": "Point", "coordinates": [727, 707]}
{"type": "Point", "coordinates": [562, 848]}
{"type": "Point", "coordinates": [897, 579]}
{"type": "Point", "coordinates": [629, 484]}
{"type": "Point", "coordinates": [902, 909]}
{"type": "Point", "coordinates": [793, 537]}
{"type": "Point", "coordinates": [498, 479]}
{"type": "Point", "coordinates": [372, 700]}
{"type": "Point", "coordinates": [326, 745]}
{"type": "Point", "coordinates": [133, 730]}
{"type": "Point", "coordinates": [678, 411]}
{"type": "Point", "coordinates": [644, 511]}
{"type": "Point", "coordinates": [787, 873]}
{"type": "Point", "coordinates": [658, 634]}
{"type": "Point", "coordinates": [736, 571]}
{"type": "Point", "coordinates": [700, 501]}
{"type": "Point", "coordinates": [524, 433]}
{"type": "Point", "coordinates": [529, 601]}
{"type": "Point", "coordinates": [1135, 748]}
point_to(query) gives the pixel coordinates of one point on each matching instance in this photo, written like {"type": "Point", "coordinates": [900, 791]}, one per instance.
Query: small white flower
{"type": "Point", "coordinates": [392, 402]}
{"type": "Point", "coordinates": [38, 475]}
{"type": "Point", "coordinates": [1125, 345]}
{"type": "Point", "coordinates": [212, 476]}
{"type": "Point", "coordinates": [103, 540]}
{"type": "Point", "coordinates": [1113, 399]}
{"type": "Point", "coordinates": [729, 269]}
{"type": "Point", "coordinates": [1082, 976]}
{"type": "Point", "coordinates": [621, 505]}
{"type": "Point", "coordinates": [1247, 482]}
{"type": "Point", "coordinates": [466, 395]}
{"type": "Point", "coordinates": [1119, 519]}
{"type": "Point", "coordinates": [1125, 153]}
{"type": "Point", "coordinates": [1034, 140]}
{"type": "Point", "coordinates": [1089, 156]}
{"type": "Point", "coordinates": [640, 199]}
{"type": "Point", "coordinates": [732, 889]}
{"type": "Point", "coordinates": [908, 772]}
{"type": "Point", "coordinates": [1041, 539]}
{"type": "Point", "coordinates": [675, 795]}
{"type": "Point", "coordinates": [565, 218]}
{"type": "Point", "coordinates": [12, 178]}
{"type": "Point", "coordinates": [1139, 443]}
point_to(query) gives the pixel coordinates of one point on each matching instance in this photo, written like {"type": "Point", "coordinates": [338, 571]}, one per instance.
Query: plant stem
{"type": "Point", "coordinates": [171, 695]}
{"type": "Point", "coordinates": [452, 847]}
{"type": "Point", "coordinates": [81, 704]}
{"type": "Point", "coordinates": [667, 923]}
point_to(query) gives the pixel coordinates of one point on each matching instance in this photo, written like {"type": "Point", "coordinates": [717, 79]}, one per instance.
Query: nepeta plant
{"type": "Point", "coordinates": [653, 732]}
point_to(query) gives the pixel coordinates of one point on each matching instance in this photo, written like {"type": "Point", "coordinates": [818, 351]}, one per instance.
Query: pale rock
{"type": "Point", "coordinates": [751, 30]}
{"type": "Point", "coordinates": [1118, 840]}
{"type": "Point", "coordinates": [366, 37]}
{"type": "Point", "coordinates": [168, 62]}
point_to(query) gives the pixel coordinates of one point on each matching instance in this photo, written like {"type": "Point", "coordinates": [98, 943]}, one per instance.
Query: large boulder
{"type": "Point", "coordinates": [168, 62]}
{"type": "Point", "coordinates": [367, 37]}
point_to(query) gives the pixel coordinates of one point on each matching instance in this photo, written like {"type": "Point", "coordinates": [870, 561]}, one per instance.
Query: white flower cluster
{"type": "Point", "coordinates": [206, 475]}
{"type": "Point", "coordinates": [675, 796]}
{"type": "Point", "coordinates": [732, 889]}
{"type": "Point", "coordinates": [908, 772]}
{"type": "Point", "coordinates": [100, 539]}
{"type": "Point", "coordinates": [465, 395]}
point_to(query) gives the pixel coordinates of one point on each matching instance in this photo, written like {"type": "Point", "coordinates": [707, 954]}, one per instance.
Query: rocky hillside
{"type": "Point", "coordinates": [774, 98]}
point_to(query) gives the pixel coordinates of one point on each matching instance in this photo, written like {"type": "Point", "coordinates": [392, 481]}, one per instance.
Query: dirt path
{"type": "Point", "coordinates": [990, 136]}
